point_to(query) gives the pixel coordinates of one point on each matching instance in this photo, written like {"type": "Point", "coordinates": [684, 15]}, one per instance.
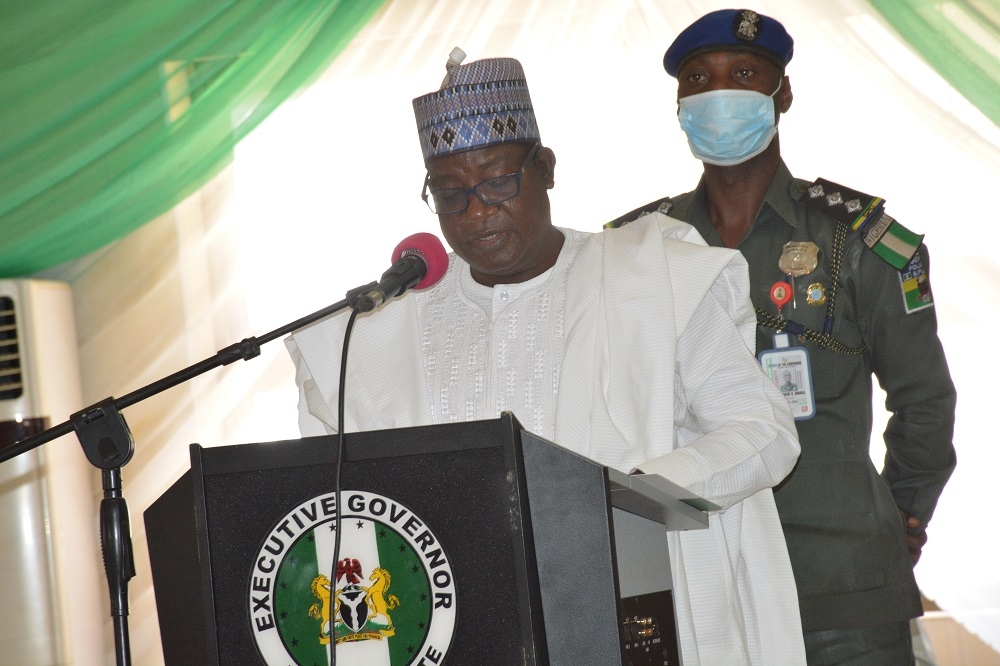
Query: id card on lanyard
{"type": "Point", "coordinates": [788, 367]}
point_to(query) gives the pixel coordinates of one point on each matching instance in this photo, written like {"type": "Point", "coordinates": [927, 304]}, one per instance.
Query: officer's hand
{"type": "Point", "coordinates": [916, 537]}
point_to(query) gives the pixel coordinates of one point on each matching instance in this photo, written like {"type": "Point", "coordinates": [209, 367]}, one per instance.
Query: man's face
{"type": "Point", "coordinates": [734, 70]}
{"type": "Point", "coordinates": [504, 243]}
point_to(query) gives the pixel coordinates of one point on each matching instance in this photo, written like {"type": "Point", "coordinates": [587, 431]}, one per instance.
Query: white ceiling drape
{"type": "Point", "coordinates": [319, 195]}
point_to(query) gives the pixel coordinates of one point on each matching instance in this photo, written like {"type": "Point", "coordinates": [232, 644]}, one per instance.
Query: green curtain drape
{"type": "Point", "coordinates": [960, 39]}
{"type": "Point", "coordinates": [113, 111]}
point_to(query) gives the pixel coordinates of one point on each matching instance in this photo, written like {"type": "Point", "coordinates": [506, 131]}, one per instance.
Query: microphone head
{"type": "Point", "coordinates": [431, 250]}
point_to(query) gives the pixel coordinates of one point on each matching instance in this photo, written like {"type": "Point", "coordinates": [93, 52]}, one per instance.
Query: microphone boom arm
{"type": "Point", "coordinates": [108, 445]}
{"type": "Point", "coordinates": [245, 350]}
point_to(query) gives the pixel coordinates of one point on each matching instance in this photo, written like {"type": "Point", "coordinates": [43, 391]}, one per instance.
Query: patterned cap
{"type": "Point", "coordinates": [483, 103]}
{"type": "Point", "coordinates": [731, 30]}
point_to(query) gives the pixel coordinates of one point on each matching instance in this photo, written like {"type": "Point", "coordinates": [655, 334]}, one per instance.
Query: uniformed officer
{"type": "Point", "coordinates": [841, 292]}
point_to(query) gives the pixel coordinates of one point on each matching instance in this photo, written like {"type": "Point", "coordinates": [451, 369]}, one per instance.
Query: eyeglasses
{"type": "Point", "coordinates": [490, 192]}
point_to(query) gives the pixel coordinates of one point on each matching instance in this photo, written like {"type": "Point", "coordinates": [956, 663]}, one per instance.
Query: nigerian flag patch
{"type": "Point", "coordinates": [389, 600]}
{"type": "Point", "coordinates": [916, 285]}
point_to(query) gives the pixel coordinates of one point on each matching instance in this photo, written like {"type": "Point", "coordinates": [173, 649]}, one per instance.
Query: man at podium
{"type": "Point", "coordinates": [631, 347]}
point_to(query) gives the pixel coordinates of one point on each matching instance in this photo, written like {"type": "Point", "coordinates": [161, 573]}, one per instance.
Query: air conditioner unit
{"type": "Point", "coordinates": [52, 583]}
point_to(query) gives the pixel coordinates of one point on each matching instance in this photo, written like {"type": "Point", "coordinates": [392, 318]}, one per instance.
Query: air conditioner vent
{"type": "Point", "coordinates": [10, 358]}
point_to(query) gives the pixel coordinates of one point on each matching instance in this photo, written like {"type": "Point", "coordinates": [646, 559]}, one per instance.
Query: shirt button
{"type": "Point", "coordinates": [504, 296]}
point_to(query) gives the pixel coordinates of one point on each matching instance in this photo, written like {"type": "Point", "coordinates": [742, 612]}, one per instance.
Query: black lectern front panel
{"type": "Point", "coordinates": [453, 539]}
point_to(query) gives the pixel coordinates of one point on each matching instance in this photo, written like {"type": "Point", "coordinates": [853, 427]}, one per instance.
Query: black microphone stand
{"type": "Point", "coordinates": [108, 444]}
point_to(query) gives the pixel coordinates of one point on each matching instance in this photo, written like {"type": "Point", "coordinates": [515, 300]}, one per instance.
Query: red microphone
{"type": "Point", "coordinates": [419, 261]}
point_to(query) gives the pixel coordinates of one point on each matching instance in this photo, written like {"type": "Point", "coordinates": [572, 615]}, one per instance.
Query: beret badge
{"type": "Point", "coordinates": [746, 25]}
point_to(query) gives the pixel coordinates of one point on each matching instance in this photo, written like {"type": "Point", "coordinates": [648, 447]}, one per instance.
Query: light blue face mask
{"type": "Point", "coordinates": [727, 127]}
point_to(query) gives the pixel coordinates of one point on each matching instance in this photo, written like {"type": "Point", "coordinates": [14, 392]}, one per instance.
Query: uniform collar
{"type": "Point", "coordinates": [779, 201]}
{"type": "Point", "coordinates": [783, 194]}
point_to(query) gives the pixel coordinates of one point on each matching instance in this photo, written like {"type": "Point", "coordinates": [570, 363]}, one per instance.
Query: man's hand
{"type": "Point", "coordinates": [916, 536]}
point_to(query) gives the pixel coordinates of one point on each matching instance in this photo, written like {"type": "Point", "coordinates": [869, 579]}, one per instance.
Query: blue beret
{"type": "Point", "coordinates": [730, 30]}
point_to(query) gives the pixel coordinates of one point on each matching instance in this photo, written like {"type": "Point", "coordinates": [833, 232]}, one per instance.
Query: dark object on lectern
{"type": "Point", "coordinates": [553, 558]}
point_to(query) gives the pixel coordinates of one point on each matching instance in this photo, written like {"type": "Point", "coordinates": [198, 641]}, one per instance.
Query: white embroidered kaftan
{"type": "Point", "coordinates": [633, 350]}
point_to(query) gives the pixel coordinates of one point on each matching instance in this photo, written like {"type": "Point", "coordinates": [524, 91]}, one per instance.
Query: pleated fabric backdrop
{"type": "Point", "coordinates": [318, 195]}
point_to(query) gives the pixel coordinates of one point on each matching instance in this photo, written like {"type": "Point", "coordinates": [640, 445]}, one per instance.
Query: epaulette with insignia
{"type": "Point", "coordinates": [663, 205]}
{"type": "Point", "coordinates": [863, 213]}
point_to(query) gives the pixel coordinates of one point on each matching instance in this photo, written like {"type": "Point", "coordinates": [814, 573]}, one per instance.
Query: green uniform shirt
{"type": "Point", "coordinates": [843, 530]}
